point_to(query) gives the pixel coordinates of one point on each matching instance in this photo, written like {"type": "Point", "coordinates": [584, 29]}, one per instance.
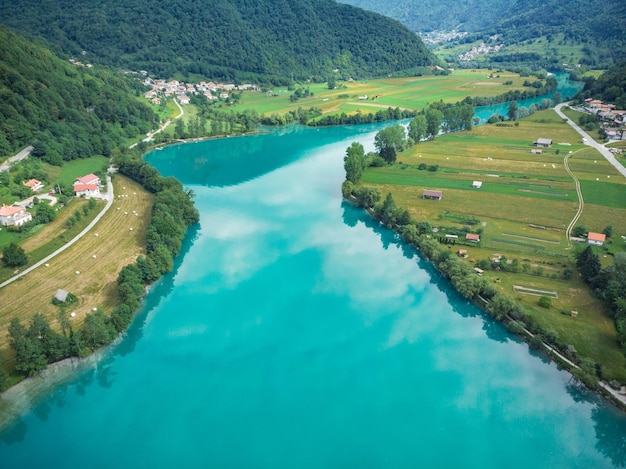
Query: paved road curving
{"type": "Point", "coordinates": [591, 142]}
{"type": "Point", "coordinates": [110, 197]}
{"type": "Point", "coordinates": [20, 156]}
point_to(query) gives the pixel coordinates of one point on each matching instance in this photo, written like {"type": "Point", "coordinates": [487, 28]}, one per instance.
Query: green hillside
{"type": "Point", "coordinates": [544, 33]}
{"type": "Point", "coordinates": [225, 39]}
{"type": "Point", "coordinates": [69, 111]}
{"type": "Point", "coordinates": [556, 32]}
{"type": "Point", "coordinates": [610, 87]}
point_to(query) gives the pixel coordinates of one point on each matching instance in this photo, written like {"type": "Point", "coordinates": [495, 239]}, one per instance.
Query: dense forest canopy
{"type": "Point", "coordinates": [610, 87]}
{"type": "Point", "coordinates": [67, 111]}
{"type": "Point", "coordinates": [442, 15]}
{"type": "Point", "coordinates": [237, 40]}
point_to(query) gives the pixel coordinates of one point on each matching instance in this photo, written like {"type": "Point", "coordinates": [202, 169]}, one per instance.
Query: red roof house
{"type": "Point", "coordinates": [597, 239]}
{"type": "Point", "coordinates": [89, 179]}
{"type": "Point", "coordinates": [86, 190]}
{"type": "Point", "coordinates": [14, 216]}
{"type": "Point", "coordinates": [34, 185]}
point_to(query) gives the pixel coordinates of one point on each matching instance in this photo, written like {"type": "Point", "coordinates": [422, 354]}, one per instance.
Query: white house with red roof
{"type": "Point", "coordinates": [34, 185]}
{"type": "Point", "coordinates": [14, 216]}
{"type": "Point", "coordinates": [89, 179]}
{"type": "Point", "coordinates": [597, 239]}
{"type": "Point", "coordinates": [87, 190]}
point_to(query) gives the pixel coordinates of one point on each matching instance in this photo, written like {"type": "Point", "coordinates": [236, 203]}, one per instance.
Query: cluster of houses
{"type": "Point", "coordinates": [182, 91]}
{"type": "Point", "coordinates": [612, 120]}
{"type": "Point", "coordinates": [477, 50]}
{"type": "Point", "coordinates": [16, 215]}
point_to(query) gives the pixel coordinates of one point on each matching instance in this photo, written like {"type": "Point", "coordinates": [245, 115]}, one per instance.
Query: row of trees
{"type": "Point", "coordinates": [381, 115]}
{"type": "Point", "coordinates": [549, 87]}
{"type": "Point", "coordinates": [609, 284]}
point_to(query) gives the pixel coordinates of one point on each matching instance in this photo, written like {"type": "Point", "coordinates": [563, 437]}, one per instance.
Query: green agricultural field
{"type": "Point", "coordinates": [521, 211]}
{"type": "Point", "coordinates": [405, 93]}
{"type": "Point", "coordinates": [71, 170]}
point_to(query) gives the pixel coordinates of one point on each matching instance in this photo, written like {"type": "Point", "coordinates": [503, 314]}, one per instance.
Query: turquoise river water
{"type": "Point", "coordinates": [295, 332]}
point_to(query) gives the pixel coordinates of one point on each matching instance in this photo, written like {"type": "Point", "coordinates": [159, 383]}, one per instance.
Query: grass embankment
{"type": "Point", "coordinates": [521, 189]}
{"type": "Point", "coordinates": [97, 258]}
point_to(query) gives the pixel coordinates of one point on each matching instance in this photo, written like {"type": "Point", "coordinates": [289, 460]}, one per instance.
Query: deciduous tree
{"type": "Point", "coordinates": [14, 256]}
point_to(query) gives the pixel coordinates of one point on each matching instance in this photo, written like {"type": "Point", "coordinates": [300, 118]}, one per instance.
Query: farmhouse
{"type": "Point", "coordinates": [543, 142]}
{"type": "Point", "coordinates": [34, 185]}
{"type": "Point", "coordinates": [597, 239]}
{"type": "Point", "coordinates": [86, 190]}
{"type": "Point", "coordinates": [14, 216]}
{"type": "Point", "coordinates": [432, 195]}
{"type": "Point", "coordinates": [89, 179]}
{"type": "Point", "coordinates": [472, 238]}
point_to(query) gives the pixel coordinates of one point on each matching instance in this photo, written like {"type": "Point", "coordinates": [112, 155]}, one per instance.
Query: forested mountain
{"type": "Point", "coordinates": [69, 111]}
{"type": "Point", "coordinates": [225, 39]}
{"type": "Point", "coordinates": [442, 15]}
{"type": "Point", "coordinates": [596, 26]}
{"type": "Point", "coordinates": [600, 26]}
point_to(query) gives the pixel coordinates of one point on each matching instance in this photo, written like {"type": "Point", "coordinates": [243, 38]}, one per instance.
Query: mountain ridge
{"type": "Point", "coordinates": [225, 39]}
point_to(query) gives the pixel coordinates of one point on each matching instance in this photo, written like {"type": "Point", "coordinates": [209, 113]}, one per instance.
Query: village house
{"type": "Point", "coordinates": [596, 239]}
{"type": "Point", "coordinates": [86, 190]}
{"type": "Point", "coordinates": [88, 179]}
{"type": "Point", "coordinates": [14, 216]}
{"type": "Point", "coordinates": [34, 185]}
{"type": "Point", "coordinates": [472, 238]}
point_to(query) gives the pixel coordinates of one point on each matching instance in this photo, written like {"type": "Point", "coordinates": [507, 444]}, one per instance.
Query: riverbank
{"type": "Point", "coordinates": [513, 324]}
{"type": "Point", "coordinates": [20, 398]}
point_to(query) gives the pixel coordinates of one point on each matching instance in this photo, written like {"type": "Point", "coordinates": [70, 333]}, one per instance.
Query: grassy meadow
{"type": "Point", "coordinates": [522, 210]}
{"type": "Point", "coordinates": [405, 93]}
{"type": "Point", "coordinates": [97, 258]}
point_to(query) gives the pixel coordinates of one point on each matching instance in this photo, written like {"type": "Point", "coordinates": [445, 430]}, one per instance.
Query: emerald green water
{"type": "Point", "coordinates": [297, 333]}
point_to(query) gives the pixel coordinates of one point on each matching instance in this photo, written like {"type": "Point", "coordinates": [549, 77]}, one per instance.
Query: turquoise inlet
{"type": "Point", "coordinates": [295, 332]}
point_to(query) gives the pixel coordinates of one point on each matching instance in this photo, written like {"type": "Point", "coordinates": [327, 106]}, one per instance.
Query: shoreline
{"type": "Point", "coordinates": [20, 398]}
{"type": "Point", "coordinates": [604, 390]}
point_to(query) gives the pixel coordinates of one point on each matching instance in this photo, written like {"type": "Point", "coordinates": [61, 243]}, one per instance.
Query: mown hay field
{"type": "Point", "coordinates": [97, 258]}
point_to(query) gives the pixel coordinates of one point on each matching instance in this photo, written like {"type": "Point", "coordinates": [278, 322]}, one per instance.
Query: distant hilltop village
{"type": "Point", "coordinates": [182, 91]}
